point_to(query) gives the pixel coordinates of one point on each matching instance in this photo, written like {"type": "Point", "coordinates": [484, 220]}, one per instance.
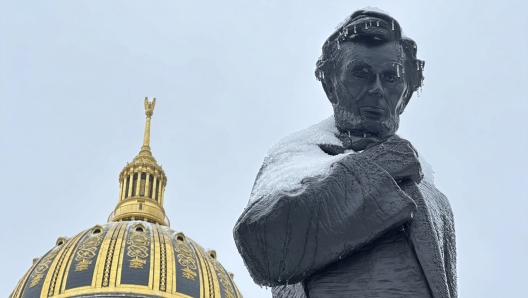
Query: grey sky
{"type": "Point", "coordinates": [231, 78]}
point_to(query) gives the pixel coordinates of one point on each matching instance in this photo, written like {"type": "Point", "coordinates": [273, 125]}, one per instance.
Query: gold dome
{"type": "Point", "coordinates": [127, 259]}
{"type": "Point", "coordinates": [135, 254]}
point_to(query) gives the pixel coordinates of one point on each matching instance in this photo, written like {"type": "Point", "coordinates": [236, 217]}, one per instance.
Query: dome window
{"type": "Point", "coordinates": [212, 254]}
{"type": "Point", "coordinates": [139, 228]}
{"type": "Point", "coordinates": [61, 241]}
{"type": "Point", "coordinates": [126, 186]}
{"type": "Point", "coordinates": [134, 184]}
{"type": "Point", "coordinates": [142, 184]}
{"type": "Point", "coordinates": [180, 237]}
{"type": "Point", "coordinates": [157, 190]}
{"type": "Point", "coordinates": [97, 230]}
{"type": "Point", "coordinates": [151, 185]}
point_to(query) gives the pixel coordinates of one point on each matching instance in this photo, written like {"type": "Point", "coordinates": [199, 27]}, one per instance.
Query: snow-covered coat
{"type": "Point", "coordinates": [309, 209]}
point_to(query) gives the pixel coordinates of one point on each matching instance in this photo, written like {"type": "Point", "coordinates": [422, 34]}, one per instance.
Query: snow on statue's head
{"type": "Point", "coordinates": [369, 73]}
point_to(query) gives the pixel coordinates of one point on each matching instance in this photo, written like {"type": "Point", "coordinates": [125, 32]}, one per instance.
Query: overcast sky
{"type": "Point", "coordinates": [231, 78]}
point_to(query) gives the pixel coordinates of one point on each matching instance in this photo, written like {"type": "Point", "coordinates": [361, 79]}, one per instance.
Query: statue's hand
{"type": "Point", "coordinates": [398, 157]}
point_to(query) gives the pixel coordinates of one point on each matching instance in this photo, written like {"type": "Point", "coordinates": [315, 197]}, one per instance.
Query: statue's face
{"type": "Point", "coordinates": [367, 88]}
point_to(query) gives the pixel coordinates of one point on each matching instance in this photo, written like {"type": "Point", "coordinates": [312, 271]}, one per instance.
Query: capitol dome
{"type": "Point", "coordinates": [135, 254]}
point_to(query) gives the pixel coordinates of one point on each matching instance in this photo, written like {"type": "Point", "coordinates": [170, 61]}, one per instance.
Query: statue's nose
{"type": "Point", "coordinates": [376, 89]}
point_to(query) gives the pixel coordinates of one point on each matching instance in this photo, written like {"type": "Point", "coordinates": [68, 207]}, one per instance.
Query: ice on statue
{"type": "Point", "coordinates": [346, 207]}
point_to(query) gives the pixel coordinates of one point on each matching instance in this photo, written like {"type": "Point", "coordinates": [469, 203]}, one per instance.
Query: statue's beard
{"type": "Point", "coordinates": [351, 122]}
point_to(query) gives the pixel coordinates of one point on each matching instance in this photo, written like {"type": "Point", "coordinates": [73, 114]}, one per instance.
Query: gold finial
{"type": "Point", "coordinates": [149, 107]}
{"type": "Point", "coordinates": [149, 110]}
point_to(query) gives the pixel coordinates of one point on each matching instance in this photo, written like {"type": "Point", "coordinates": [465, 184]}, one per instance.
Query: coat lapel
{"type": "Point", "coordinates": [427, 232]}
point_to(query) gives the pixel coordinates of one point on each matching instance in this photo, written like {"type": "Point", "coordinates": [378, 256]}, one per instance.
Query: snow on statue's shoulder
{"type": "Point", "coordinates": [427, 169]}
{"type": "Point", "coordinates": [296, 157]}
{"type": "Point", "coordinates": [320, 133]}
{"type": "Point", "coordinates": [375, 9]}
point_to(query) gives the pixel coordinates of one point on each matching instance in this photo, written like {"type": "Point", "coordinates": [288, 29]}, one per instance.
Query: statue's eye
{"type": "Point", "coordinates": [390, 77]}
{"type": "Point", "coordinates": [360, 73]}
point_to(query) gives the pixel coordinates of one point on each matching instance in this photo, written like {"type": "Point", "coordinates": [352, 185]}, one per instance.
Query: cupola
{"type": "Point", "coordinates": [142, 184]}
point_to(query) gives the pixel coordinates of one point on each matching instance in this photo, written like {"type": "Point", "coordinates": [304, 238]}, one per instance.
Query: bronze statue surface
{"type": "Point", "coordinates": [342, 208]}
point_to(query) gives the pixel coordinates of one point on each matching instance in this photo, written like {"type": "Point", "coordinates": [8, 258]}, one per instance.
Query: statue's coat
{"type": "Point", "coordinates": [310, 209]}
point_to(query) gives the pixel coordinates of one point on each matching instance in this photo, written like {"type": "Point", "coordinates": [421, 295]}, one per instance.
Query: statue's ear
{"type": "Point", "coordinates": [329, 89]}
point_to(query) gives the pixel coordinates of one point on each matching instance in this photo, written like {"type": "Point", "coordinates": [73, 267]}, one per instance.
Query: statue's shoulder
{"type": "Point", "coordinates": [309, 138]}
{"type": "Point", "coordinates": [296, 157]}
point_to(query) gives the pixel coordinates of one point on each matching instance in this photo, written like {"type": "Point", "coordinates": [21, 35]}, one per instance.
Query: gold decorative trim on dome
{"type": "Point", "coordinates": [229, 290]}
{"type": "Point", "coordinates": [42, 267]}
{"type": "Point", "coordinates": [186, 257]}
{"type": "Point", "coordinates": [116, 235]}
{"type": "Point", "coordinates": [138, 244]}
{"type": "Point", "coordinates": [87, 249]}
{"type": "Point", "coordinates": [65, 251]}
{"type": "Point", "coordinates": [163, 262]}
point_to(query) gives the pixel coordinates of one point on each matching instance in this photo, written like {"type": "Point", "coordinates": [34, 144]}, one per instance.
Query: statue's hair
{"type": "Point", "coordinates": [365, 26]}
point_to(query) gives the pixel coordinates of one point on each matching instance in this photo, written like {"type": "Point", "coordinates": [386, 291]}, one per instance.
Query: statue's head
{"type": "Point", "coordinates": [369, 73]}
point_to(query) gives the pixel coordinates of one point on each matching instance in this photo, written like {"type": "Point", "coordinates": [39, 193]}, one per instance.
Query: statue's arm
{"type": "Point", "coordinates": [285, 237]}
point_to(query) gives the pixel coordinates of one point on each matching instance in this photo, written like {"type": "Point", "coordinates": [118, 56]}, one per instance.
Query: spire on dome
{"type": "Point", "coordinates": [149, 111]}
{"type": "Point", "coordinates": [144, 154]}
{"type": "Point", "coordinates": [142, 183]}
